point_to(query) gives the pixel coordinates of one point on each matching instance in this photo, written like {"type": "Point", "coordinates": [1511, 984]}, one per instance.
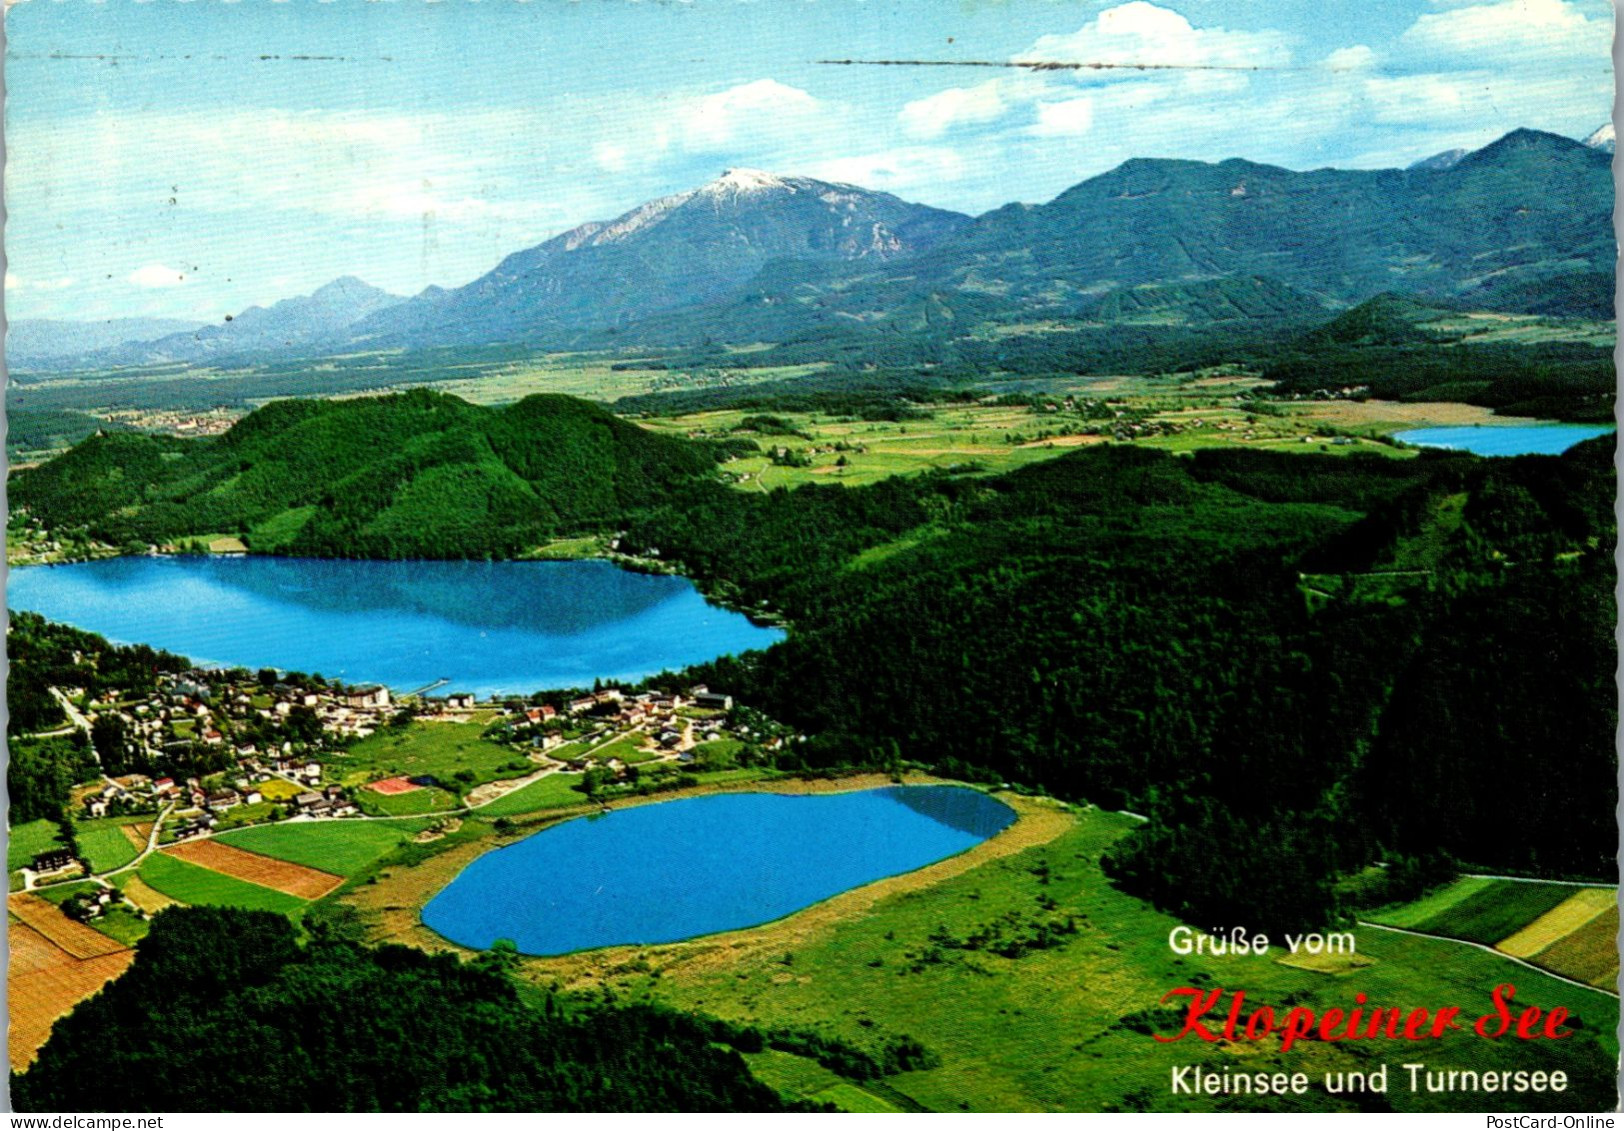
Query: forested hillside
{"type": "Point", "coordinates": [201, 1022]}
{"type": "Point", "coordinates": [414, 475]}
{"type": "Point", "coordinates": [1396, 348]}
{"type": "Point", "coordinates": [1291, 663]}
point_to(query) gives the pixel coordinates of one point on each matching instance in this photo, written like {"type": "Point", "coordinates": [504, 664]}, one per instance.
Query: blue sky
{"type": "Point", "coordinates": [188, 159]}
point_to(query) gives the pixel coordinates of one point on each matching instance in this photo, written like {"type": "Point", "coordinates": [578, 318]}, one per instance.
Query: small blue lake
{"type": "Point", "coordinates": [680, 869]}
{"type": "Point", "coordinates": [1544, 439]}
{"type": "Point", "coordinates": [489, 627]}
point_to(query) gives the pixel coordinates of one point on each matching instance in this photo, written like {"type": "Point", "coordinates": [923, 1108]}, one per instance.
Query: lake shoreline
{"type": "Point", "coordinates": [395, 898]}
{"type": "Point", "coordinates": [496, 629]}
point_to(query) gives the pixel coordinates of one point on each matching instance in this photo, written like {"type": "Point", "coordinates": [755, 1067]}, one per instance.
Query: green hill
{"type": "Point", "coordinates": [1396, 347]}
{"type": "Point", "coordinates": [413, 475]}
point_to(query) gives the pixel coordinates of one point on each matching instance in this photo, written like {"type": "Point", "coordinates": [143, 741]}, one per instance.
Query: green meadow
{"type": "Point", "coordinates": [344, 848]}
{"type": "Point", "coordinates": [28, 840]}
{"type": "Point", "coordinates": [441, 750]}
{"type": "Point", "coordinates": [1069, 1025]}
{"type": "Point", "coordinates": [555, 791]}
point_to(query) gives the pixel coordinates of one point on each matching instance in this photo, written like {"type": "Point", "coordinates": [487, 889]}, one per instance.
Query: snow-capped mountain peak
{"type": "Point", "coordinates": [1602, 139]}
{"type": "Point", "coordinates": [741, 180]}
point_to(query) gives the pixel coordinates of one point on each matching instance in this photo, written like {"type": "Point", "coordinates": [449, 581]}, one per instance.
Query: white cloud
{"type": "Point", "coordinates": [1355, 58]}
{"type": "Point", "coordinates": [1519, 30]}
{"type": "Point", "coordinates": [1068, 118]}
{"type": "Point", "coordinates": [15, 283]}
{"type": "Point", "coordinates": [930, 117]}
{"type": "Point", "coordinates": [765, 106]}
{"type": "Point", "coordinates": [611, 158]}
{"type": "Point", "coordinates": [1142, 33]}
{"type": "Point", "coordinates": [157, 275]}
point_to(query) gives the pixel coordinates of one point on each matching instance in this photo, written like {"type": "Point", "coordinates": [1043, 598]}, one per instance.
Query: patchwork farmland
{"type": "Point", "coordinates": [45, 981]}
{"type": "Point", "coordinates": [190, 883]}
{"type": "Point", "coordinates": [345, 848]}
{"type": "Point", "coordinates": [279, 875]}
{"type": "Point", "coordinates": [1562, 928]}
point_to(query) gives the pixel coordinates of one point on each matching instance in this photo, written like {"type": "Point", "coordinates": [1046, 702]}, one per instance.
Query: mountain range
{"type": "Point", "coordinates": [1523, 224]}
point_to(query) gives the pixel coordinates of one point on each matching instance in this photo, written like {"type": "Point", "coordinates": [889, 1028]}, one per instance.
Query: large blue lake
{"type": "Point", "coordinates": [488, 627]}
{"type": "Point", "coordinates": [660, 873]}
{"type": "Point", "coordinates": [1544, 439]}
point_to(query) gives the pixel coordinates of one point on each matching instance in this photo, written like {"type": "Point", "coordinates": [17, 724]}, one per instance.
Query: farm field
{"type": "Point", "coordinates": [104, 844]}
{"type": "Point", "coordinates": [1559, 922]}
{"type": "Point", "coordinates": [44, 982]}
{"type": "Point", "coordinates": [1571, 931]}
{"type": "Point", "coordinates": [139, 893]}
{"type": "Point", "coordinates": [1068, 1027]}
{"type": "Point", "coordinates": [188, 883]}
{"type": "Point", "coordinates": [74, 938]}
{"type": "Point", "coordinates": [344, 848]}
{"type": "Point", "coordinates": [1183, 416]}
{"type": "Point", "coordinates": [439, 750]}
{"type": "Point", "coordinates": [1492, 910]}
{"type": "Point", "coordinates": [555, 791]}
{"type": "Point", "coordinates": [593, 375]}
{"type": "Point", "coordinates": [293, 879]}
{"type": "Point", "coordinates": [1588, 953]}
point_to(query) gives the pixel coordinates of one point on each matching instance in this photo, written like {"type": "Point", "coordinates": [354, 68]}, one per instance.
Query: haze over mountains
{"type": "Point", "coordinates": [32, 342]}
{"type": "Point", "coordinates": [1523, 224]}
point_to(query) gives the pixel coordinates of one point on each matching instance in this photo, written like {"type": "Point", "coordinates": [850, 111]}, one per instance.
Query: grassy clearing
{"type": "Point", "coordinates": [1068, 1028]}
{"type": "Point", "coordinates": [799, 1078]}
{"type": "Point", "coordinates": [1497, 911]}
{"type": "Point", "coordinates": [239, 815]}
{"type": "Point", "coordinates": [439, 750]}
{"type": "Point", "coordinates": [122, 925]}
{"type": "Point", "coordinates": [1408, 915]}
{"type": "Point", "coordinates": [278, 790]}
{"type": "Point", "coordinates": [568, 549]}
{"type": "Point", "coordinates": [555, 791]}
{"type": "Point", "coordinates": [104, 844]}
{"type": "Point", "coordinates": [29, 840]}
{"type": "Point", "coordinates": [61, 893]}
{"type": "Point", "coordinates": [187, 883]}
{"type": "Point", "coordinates": [720, 754]}
{"type": "Point", "coordinates": [628, 749]}
{"type": "Point", "coordinates": [415, 803]}
{"type": "Point", "coordinates": [345, 848]}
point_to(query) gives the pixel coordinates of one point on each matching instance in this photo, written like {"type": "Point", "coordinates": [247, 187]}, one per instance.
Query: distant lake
{"type": "Point", "coordinates": [664, 872]}
{"type": "Point", "coordinates": [490, 627]}
{"type": "Point", "coordinates": [1544, 439]}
